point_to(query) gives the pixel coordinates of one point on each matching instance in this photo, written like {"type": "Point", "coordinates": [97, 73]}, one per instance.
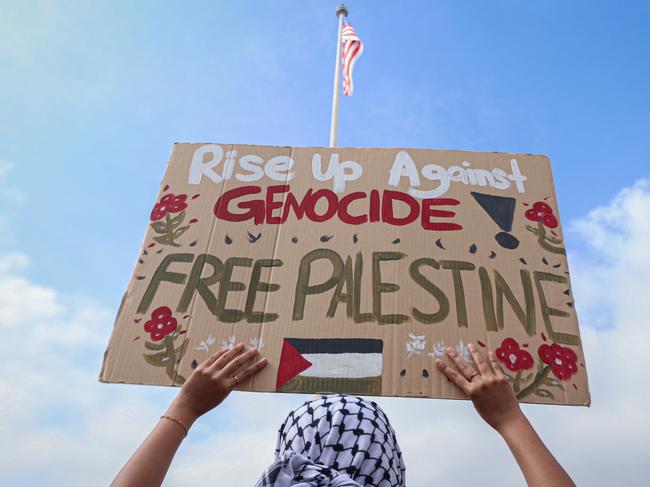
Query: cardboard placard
{"type": "Point", "coordinates": [352, 269]}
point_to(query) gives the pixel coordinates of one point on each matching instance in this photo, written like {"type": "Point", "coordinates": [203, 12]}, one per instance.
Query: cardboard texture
{"type": "Point", "coordinates": [351, 269]}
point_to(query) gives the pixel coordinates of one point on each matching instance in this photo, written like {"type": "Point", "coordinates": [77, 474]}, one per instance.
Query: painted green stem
{"type": "Point", "coordinates": [542, 239]}
{"type": "Point", "coordinates": [515, 384]}
{"type": "Point", "coordinates": [537, 381]}
{"type": "Point", "coordinates": [170, 231]}
{"type": "Point", "coordinates": [171, 364]}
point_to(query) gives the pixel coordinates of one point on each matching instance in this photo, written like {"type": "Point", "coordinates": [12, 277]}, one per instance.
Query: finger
{"type": "Point", "coordinates": [452, 375]}
{"type": "Point", "coordinates": [233, 366]}
{"type": "Point", "coordinates": [222, 361]}
{"type": "Point", "coordinates": [467, 370]}
{"type": "Point", "coordinates": [480, 362]}
{"type": "Point", "coordinates": [496, 366]}
{"type": "Point", "coordinates": [213, 358]}
{"type": "Point", "coordinates": [252, 369]}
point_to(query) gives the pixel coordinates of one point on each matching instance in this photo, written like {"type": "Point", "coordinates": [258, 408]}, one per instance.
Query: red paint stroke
{"type": "Point", "coordinates": [182, 332]}
{"type": "Point", "coordinates": [151, 245]}
{"type": "Point", "coordinates": [480, 343]}
{"type": "Point", "coordinates": [547, 198]}
{"type": "Point", "coordinates": [525, 345]}
{"type": "Point", "coordinates": [186, 317]}
{"type": "Point", "coordinates": [514, 357]}
{"type": "Point", "coordinates": [561, 359]}
{"type": "Point", "coordinates": [161, 323]}
{"type": "Point", "coordinates": [526, 204]}
{"type": "Point", "coordinates": [554, 233]}
{"type": "Point", "coordinates": [166, 187]}
{"type": "Point", "coordinates": [541, 212]}
{"type": "Point", "coordinates": [136, 338]}
{"type": "Point", "coordinates": [193, 220]}
{"type": "Point", "coordinates": [169, 203]}
{"type": "Point", "coordinates": [575, 387]}
{"type": "Point", "coordinates": [195, 196]}
{"type": "Point", "coordinates": [137, 320]}
{"type": "Point", "coordinates": [291, 364]}
{"type": "Point", "coordinates": [274, 208]}
{"type": "Point", "coordinates": [543, 336]}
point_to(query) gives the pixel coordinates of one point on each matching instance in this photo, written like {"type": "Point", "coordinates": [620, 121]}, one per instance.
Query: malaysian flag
{"type": "Point", "coordinates": [352, 49]}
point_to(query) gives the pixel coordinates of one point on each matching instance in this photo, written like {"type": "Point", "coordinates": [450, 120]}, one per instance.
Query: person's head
{"type": "Point", "coordinates": [336, 441]}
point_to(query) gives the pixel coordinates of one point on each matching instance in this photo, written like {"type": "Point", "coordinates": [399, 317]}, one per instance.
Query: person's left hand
{"type": "Point", "coordinates": [485, 384]}
{"type": "Point", "coordinates": [213, 380]}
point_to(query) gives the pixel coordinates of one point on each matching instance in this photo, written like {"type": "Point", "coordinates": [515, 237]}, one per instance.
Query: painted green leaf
{"type": "Point", "coordinates": [154, 346]}
{"type": "Point", "coordinates": [177, 220]}
{"type": "Point", "coordinates": [162, 239]}
{"type": "Point", "coordinates": [527, 378]}
{"type": "Point", "coordinates": [553, 383]}
{"type": "Point", "coordinates": [159, 227]}
{"type": "Point", "coordinates": [180, 351]}
{"type": "Point", "coordinates": [160, 359]}
{"type": "Point", "coordinates": [180, 231]}
{"type": "Point", "coordinates": [544, 393]}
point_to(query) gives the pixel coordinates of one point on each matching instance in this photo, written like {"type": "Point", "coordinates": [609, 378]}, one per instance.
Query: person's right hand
{"type": "Point", "coordinates": [213, 380]}
{"type": "Point", "coordinates": [487, 387]}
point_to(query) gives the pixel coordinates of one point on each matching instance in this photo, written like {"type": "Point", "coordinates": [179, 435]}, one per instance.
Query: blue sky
{"type": "Point", "coordinates": [94, 94]}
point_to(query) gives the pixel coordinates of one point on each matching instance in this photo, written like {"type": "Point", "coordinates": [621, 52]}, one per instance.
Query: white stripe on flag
{"type": "Point", "coordinates": [352, 49]}
{"type": "Point", "coordinates": [343, 365]}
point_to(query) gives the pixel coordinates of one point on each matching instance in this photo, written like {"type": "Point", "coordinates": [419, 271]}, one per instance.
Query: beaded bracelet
{"type": "Point", "coordinates": [177, 422]}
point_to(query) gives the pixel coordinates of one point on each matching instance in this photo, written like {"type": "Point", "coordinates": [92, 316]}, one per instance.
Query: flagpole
{"type": "Point", "coordinates": [341, 12]}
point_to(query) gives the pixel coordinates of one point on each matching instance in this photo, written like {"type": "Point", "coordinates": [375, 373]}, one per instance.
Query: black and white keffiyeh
{"type": "Point", "coordinates": [336, 441]}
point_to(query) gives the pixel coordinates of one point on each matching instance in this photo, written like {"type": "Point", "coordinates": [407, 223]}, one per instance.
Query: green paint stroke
{"type": "Point", "coordinates": [432, 289]}
{"type": "Point", "coordinates": [163, 275]}
{"type": "Point", "coordinates": [367, 386]}
{"type": "Point", "coordinates": [379, 287]}
{"type": "Point", "coordinates": [456, 267]}
{"type": "Point", "coordinates": [547, 311]}
{"type": "Point", "coordinates": [539, 379]}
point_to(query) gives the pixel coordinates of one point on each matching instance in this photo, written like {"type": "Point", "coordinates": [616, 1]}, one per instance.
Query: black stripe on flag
{"type": "Point", "coordinates": [336, 345]}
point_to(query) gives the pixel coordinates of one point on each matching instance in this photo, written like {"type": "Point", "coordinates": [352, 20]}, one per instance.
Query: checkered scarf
{"type": "Point", "coordinates": [336, 441]}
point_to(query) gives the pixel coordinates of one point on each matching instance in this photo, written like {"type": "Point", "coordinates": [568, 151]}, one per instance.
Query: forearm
{"type": "Point", "coordinates": [537, 463]}
{"type": "Point", "coordinates": [149, 464]}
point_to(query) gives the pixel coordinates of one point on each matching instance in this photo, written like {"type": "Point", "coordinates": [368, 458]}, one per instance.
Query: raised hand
{"type": "Point", "coordinates": [214, 379]}
{"type": "Point", "coordinates": [485, 384]}
{"type": "Point", "coordinates": [207, 387]}
{"type": "Point", "coordinates": [494, 399]}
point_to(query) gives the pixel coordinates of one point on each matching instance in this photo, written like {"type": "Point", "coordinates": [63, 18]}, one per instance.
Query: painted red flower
{"type": "Point", "coordinates": [169, 203]}
{"type": "Point", "coordinates": [542, 212]}
{"type": "Point", "coordinates": [161, 323]}
{"type": "Point", "coordinates": [561, 359]}
{"type": "Point", "coordinates": [514, 357]}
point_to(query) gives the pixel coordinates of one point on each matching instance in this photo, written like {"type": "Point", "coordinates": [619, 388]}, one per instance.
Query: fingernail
{"type": "Point", "coordinates": [438, 362]}
{"type": "Point", "coordinates": [254, 350]}
{"type": "Point", "coordinates": [449, 350]}
{"type": "Point", "coordinates": [470, 346]}
{"type": "Point", "coordinates": [240, 345]}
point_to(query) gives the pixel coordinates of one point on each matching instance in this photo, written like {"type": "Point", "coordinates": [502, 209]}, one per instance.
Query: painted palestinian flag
{"type": "Point", "coordinates": [320, 365]}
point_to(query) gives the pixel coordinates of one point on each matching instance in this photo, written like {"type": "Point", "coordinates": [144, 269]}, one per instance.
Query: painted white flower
{"type": "Point", "coordinates": [228, 344]}
{"type": "Point", "coordinates": [204, 345]}
{"type": "Point", "coordinates": [438, 349]}
{"type": "Point", "coordinates": [461, 348]}
{"type": "Point", "coordinates": [256, 342]}
{"type": "Point", "coordinates": [415, 345]}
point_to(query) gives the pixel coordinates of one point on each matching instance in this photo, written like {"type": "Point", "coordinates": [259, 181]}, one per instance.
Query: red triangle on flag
{"type": "Point", "coordinates": [291, 364]}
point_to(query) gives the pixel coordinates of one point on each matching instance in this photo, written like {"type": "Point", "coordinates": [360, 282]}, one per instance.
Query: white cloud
{"type": "Point", "coordinates": [61, 427]}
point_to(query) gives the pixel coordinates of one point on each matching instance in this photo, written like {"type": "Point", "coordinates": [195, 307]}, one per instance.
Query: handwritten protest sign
{"type": "Point", "coordinates": [352, 270]}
